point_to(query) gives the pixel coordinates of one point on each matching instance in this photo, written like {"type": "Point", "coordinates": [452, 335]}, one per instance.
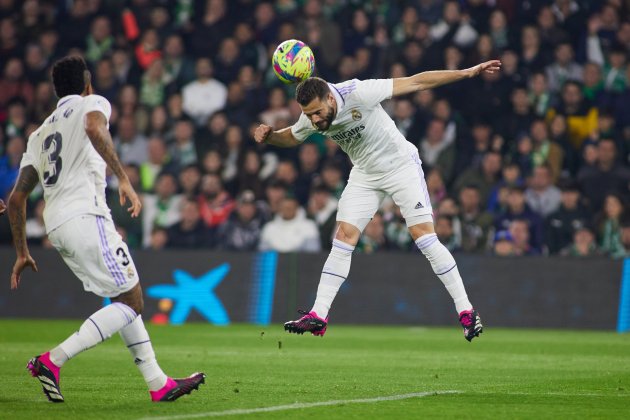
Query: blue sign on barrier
{"type": "Point", "coordinates": [263, 285]}
{"type": "Point", "coordinates": [623, 320]}
{"type": "Point", "coordinates": [190, 293]}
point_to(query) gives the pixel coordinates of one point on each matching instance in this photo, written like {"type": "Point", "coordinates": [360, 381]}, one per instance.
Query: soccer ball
{"type": "Point", "coordinates": [293, 61]}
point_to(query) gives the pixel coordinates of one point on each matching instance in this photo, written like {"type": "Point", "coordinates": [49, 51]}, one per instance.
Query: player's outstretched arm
{"type": "Point", "coordinates": [280, 138]}
{"type": "Point", "coordinates": [27, 180]}
{"type": "Point", "coordinates": [433, 79]}
{"type": "Point", "coordinates": [97, 132]}
{"type": "Point", "coordinates": [3, 207]}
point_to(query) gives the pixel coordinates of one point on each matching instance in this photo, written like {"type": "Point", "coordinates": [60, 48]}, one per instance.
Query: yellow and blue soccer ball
{"type": "Point", "coordinates": [293, 61]}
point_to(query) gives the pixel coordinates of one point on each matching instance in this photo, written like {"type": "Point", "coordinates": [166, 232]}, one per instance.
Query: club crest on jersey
{"type": "Point", "coordinates": [356, 115]}
{"type": "Point", "coordinates": [130, 272]}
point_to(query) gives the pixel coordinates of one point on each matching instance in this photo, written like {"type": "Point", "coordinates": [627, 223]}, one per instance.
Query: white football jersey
{"type": "Point", "coordinates": [69, 168]}
{"type": "Point", "coordinates": [362, 128]}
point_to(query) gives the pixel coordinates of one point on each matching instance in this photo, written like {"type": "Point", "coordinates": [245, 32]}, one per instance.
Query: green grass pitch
{"type": "Point", "coordinates": [506, 373]}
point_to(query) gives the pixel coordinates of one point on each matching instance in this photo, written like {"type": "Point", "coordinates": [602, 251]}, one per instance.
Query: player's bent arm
{"type": "Point", "coordinates": [433, 79]}
{"type": "Point", "coordinates": [97, 132]}
{"type": "Point", "coordinates": [27, 180]}
{"type": "Point", "coordinates": [3, 207]}
{"type": "Point", "coordinates": [280, 138]}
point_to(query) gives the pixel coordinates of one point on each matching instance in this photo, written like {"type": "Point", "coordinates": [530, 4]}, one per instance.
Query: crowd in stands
{"type": "Point", "coordinates": [532, 160]}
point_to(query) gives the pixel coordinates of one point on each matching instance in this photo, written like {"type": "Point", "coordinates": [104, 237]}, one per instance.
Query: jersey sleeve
{"type": "Point", "coordinates": [97, 103]}
{"type": "Point", "coordinates": [374, 91]}
{"type": "Point", "coordinates": [302, 129]}
{"type": "Point", "coordinates": [29, 157]}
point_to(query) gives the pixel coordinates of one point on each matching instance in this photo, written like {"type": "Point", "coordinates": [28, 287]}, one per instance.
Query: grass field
{"type": "Point", "coordinates": [505, 374]}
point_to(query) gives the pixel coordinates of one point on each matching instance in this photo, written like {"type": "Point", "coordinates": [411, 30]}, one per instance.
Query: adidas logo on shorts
{"type": "Point", "coordinates": [419, 205]}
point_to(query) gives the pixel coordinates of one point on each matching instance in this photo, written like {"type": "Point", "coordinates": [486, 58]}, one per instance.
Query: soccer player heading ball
{"type": "Point", "coordinates": [68, 154]}
{"type": "Point", "coordinates": [350, 114]}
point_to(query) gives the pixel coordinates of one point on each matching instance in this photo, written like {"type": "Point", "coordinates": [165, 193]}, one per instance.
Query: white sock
{"type": "Point", "coordinates": [445, 267]}
{"type": "Point", "coordinates": [97, 328]}
{"type": "Point", "coordinates": [137, 339]}
{"type": "Point", "coordinates": [335, 272]}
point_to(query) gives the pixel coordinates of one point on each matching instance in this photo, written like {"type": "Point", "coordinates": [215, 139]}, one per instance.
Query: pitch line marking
{"type": "Point", "coordinates": [298, 406]}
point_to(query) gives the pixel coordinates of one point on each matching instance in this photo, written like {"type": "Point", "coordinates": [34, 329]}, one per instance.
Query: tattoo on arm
{"type": "Point", "coordinates": [27, 180]}
{"type": "Point", "coordinates": [102, 141]}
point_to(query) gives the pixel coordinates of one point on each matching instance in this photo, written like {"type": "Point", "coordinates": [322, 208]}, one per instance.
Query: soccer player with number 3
{"type": "Point", "coordinates": [68, 154]}
{"type": "Point", "coordinates": [384, 162]}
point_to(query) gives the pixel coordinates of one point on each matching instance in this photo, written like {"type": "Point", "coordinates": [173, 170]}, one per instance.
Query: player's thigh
{"type": "Point", "coordinates": [96, 254]}
{"type": "Point", "coordinates": [358, 203]}
{"type": "Point", "coordinates": [408, 189]}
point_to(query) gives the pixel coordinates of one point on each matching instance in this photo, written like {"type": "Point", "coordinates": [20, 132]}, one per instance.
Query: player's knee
{"type": "Point", "coordinates": [420, 230]}
{"type": "Point", "coordinates": [348, 233]}
{"type": "Point", "coordinates": [133, 299]}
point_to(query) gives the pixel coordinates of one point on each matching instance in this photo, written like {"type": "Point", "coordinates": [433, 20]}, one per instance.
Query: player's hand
{"type": "Point", "coordinates": [3, 207]}
{"type": "Point", "coordinates": [20, 264]}
{"type": "Point", "coordinates": [492, 66]}
{"type": "Point", "coordinates": [127, 193]}
{"type": "Point", "coordinates": [262, 133]}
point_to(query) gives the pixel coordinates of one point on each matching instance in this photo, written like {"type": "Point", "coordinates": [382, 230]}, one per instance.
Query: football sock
{"type": "Point", "coordinates": [97, 328]}
{"type": "Point", "coordinates": [335, 272]}
{"type": "Point", "coordinates": [445, 267]}
{"type": "Point", "coordinates": [137, 339]}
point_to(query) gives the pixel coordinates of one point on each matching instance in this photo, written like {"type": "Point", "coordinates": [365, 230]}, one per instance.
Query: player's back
{"type": "Point", "coordinates": [72, 173]}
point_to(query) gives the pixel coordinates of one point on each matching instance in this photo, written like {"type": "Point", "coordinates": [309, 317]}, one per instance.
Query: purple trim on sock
{"type": "Point", "coordinates": [439, 274]}
{"type": "Point", "coordinates": [138, 343]}
{"type": "Point", "coordinates": [112, 266]}
{"type": "Point", "coordinates": [424, 242]}
{"type": "Point", "coordinates": [99, 330]}
{"type": "Point", "coordinates": [343, 245]}
{"type": "Point", "coordinates": [333, 274]}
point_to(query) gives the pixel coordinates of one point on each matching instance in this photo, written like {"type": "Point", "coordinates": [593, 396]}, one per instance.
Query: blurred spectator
{"type": "Point", "coordinates": [322, 208]}
{"type": "Point", "coordinates": [152, 88]}
{"type": "Point", "coordinates": [564, 68]}
{"type": "Point", "coordinates": [436, 150]}
{"type": "Point", "coordinates": [161, 209]}
{"type": "Point", "coordinates": [561, 225]}
{"type": "Point", "coordinates": [445, 233]}
{"type": "Point", "coordinates": [204, 96]}
{"type": "Point", "coordinates": [520, 231]}
{"type": "Point", "coordinates": [215, 204]}
{"type": "Point", "coordinates": [454, 26]}
{"type": "Point", "coordinates": [241, 232]}
{"type": "Point", "coordinates": [277, 109]}
{"type": "Point", "coordinates": [580, 115]}
{"type": "Point", "coordinates": [130, 144]}
{"type": "Point", "coordinates": [511, 176]}
{"type": "Point", "coordinates": [583, 245]}
{"type": "Point", "coordinates": [518, 209]}
{"type": "Point", "coordinates": [190, 232]}
{"type": "Point", "coordinates": [157, 161]}
{"type": "Point", "coordinates": [373, 238]}
{"type": "Point", "coordinates": [14, 84]}
{"type": "Point", "coordinates": [179, 69]}
{"type": "Point", "coordinates": [607, 175]}
{"type": "Point", "coordinates": [609, 225]}
{"type": "Point", "coordinates": [308, 159]}
{"type": "Point", "coordinates": [100, 40]}
{"type": "Point", "coordinates": [435, 187]}
{"type": "Point", "coordinates": [503, 244]}
{"type": "Point", "coordinates": [189, 180]}
{"type": "Point", "coordinates": [274, 194]}
{"type": "Point", "coordinates": [539, 95]}
{"type": "Point", "coordinates": [544, 151]}
{"type": "Point", "coordinates": [183, 150]}
{"type": "Point", "coordinates": [542, 196]}
{"type": "Point", "coordinates": [484, 177]}
{"type": "Point", "coordinates": [290, 230]}
{"type": "Point", "coordinates": [475, 222]}
{"type": "Point", "coordinates": [10, 165]}
{"type": "Point", "coordinates": [132, 226]}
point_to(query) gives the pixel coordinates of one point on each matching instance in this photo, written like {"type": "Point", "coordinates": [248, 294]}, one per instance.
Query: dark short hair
{"type": "Point", "coordinates": [309, 89]}
{"type": "Point", "coordinates": [68, 76]}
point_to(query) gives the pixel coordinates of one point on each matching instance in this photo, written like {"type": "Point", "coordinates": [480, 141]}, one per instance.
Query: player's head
{"type": "Point", "coordinates": [71, 77]}
{"type": "Point", "coordinates": [317, 102]}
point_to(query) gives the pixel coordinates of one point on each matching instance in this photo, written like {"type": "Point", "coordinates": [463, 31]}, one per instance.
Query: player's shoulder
{"type": "Point", "coordinates": [96, 99]}
{"type": "Point", "coordinates": [345, 89]}
{"type": "Point", "coordinates": [97, 103]}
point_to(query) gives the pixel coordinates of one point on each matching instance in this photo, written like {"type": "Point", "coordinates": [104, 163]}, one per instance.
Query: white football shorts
{"type": "Point", "coordinates": [96, 254]}
{"type": "Point", "coordinates": [363, 195]}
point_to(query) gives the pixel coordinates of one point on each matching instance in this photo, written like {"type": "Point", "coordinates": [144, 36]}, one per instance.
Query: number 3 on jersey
{"type": "Point", "coordinates": [52, 147]}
